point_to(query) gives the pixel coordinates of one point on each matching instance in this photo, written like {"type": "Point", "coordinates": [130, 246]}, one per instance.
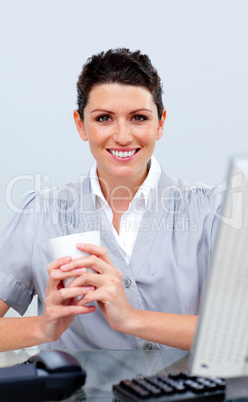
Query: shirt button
{"type": "Point", "coordinates": [147, 346]}
{"type": "Point", "coordinates": [127, 282]}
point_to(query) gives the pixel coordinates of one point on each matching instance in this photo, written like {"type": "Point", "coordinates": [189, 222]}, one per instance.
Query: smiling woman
{"type": "Point", "coordinates": [122, 135]}
{"type": "Point", "coordinates": [150, 273]}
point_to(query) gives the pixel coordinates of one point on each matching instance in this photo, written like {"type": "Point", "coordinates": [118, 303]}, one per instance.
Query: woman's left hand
{"type": "Point", "coordinates": [109, 290]}
{"type": "Point", "coordinates": [176, 330]}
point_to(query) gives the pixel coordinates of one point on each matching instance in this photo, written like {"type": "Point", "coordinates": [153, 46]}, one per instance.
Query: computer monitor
{"type": "Point", "coordinates": [220, 346]}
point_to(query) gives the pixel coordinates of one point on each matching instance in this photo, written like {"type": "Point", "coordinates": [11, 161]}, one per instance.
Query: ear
{"type": "Point", "coordinates": [80, 126]}
{"type": "Point", "coordinates": [161, 125]}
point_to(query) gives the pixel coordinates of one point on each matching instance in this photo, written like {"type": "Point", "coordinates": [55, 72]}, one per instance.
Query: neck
{"type": "Point", "coordinates": [119, 192]}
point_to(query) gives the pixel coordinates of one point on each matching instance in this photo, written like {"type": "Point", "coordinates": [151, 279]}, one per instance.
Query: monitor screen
{"type": "Point", "coordinates": [220, 346]}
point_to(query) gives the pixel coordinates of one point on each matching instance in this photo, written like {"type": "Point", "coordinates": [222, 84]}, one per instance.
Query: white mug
{"type": "Point", "coordinates": [66, 246]}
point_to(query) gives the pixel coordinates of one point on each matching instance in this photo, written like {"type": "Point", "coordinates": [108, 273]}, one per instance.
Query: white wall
{"type": "Point", "coordinates": [199, 48]}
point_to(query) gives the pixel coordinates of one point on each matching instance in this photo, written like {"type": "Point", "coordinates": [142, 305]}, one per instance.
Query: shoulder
{"type": "Point", "coordinates": [67, 192]}
{"type": "Point", "coordinates": [62, 196]}
{"type": "Point", "coordinates": [197, 197]}
{"type": "Point", "coordinates": [194, 189]}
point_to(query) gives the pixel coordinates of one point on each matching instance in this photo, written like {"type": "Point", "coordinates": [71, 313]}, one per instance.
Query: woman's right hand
{"type": "Point", "coordinates": [60, 303]}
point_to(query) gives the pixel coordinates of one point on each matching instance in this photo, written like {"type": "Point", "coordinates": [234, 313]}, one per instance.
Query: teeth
{"type": "Point", "coordinates": [122, 154]}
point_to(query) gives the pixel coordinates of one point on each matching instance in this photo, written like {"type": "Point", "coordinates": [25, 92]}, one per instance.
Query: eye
{"type": "Point", "coordinates": [103, 118]}
{"type": "Point", "coordinates": [139, 117]}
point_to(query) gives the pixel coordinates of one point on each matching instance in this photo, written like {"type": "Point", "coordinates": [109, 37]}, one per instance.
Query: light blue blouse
{"type": "Point", "coordinates": [167, 268]}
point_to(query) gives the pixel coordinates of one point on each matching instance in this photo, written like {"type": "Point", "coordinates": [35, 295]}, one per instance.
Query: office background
{"type": "Point", "coordinates": [198, 46]}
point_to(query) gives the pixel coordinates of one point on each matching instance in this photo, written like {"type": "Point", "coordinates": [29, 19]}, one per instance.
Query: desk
{"type": "Point", "coordinates": [105, 368]}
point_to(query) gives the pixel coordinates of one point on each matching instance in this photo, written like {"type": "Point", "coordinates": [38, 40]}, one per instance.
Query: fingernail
{"type": "Point", "coordinates": [80, 245]}
{"type": "Point", "coordinates": [81, 270]}
{"type": "Point", "coordinates": [64, 267]}
{"type": "Point", "coordinates": [66, 259]}
{"type": "Point", "coordinates": [90, 288]}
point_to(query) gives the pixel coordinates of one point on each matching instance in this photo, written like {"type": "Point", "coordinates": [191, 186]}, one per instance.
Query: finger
{"type": "Point", "coordinates": [96, 250]}
{"type": "Point", "coordinates": [56, 278]}
{"type": "Point", "coordinates": [59, 275]}
{"type": "Point", "coordinates": [65, 311]}
{"type": "Point", "coordinates": [58, 262]}
{"type": "Point", "coordinates": [99, 295]}
{"type": "Point", "coordinates": [64, 294]}
{"type": "Point", "coordinates": [89, 279]}
{"type": "Point", "coordinates": [108, 287]}
{"type": "Point", "coordinates": [91, 261]}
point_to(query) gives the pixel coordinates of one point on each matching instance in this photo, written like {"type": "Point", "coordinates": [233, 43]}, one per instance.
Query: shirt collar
{"type": "Point", "coordinates": [151, 182]}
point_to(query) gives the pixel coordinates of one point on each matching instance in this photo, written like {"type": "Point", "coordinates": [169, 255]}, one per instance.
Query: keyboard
{"type": "Point", "coordinates": [181, 386]}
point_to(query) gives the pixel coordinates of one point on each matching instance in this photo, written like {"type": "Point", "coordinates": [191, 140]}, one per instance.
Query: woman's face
{"type": "Point", "coordinates": [122, 126]}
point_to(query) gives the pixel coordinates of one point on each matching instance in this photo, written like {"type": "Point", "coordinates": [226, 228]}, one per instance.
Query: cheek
{"type": "Point", "coordinates": [94, 137]}
{"type": "Point", "coordinates": [98, 135]}
{"type": "Point", "coordinates": [148, 136]}
{"type": "Point", "coordinates": [93, 147]}
{"type": "Point", "coordinates": [97, 141]}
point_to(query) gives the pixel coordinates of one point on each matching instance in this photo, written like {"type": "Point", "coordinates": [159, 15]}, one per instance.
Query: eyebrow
{"type": "Point", "coordinates": [133, 111]}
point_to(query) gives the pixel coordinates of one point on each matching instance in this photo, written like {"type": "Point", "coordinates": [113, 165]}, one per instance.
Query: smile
{"type": "Point", "coordinates": [123, 154]}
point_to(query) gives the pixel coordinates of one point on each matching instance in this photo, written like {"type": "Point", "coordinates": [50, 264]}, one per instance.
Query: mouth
{"type": "Point", "coordinates": [125, 154]}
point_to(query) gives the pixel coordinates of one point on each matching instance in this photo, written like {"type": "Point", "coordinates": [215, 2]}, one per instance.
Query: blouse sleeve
{"type": "Point", "coordinates": [16, 247]}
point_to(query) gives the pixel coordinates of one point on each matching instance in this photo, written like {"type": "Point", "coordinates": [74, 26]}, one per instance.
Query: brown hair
{"type": "Point", "coordinates": [119, 66]}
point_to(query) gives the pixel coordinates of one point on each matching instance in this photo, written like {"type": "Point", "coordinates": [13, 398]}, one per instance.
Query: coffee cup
{"type": "Point", "coordinates": [66, 246]}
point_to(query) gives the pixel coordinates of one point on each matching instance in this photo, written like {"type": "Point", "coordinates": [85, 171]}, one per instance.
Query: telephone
{"type": "Point", "coordinates": [48, 375]}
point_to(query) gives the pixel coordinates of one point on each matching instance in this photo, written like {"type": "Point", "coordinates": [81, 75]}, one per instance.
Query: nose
{"type": "Point", "coordinates": [122, 134]}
